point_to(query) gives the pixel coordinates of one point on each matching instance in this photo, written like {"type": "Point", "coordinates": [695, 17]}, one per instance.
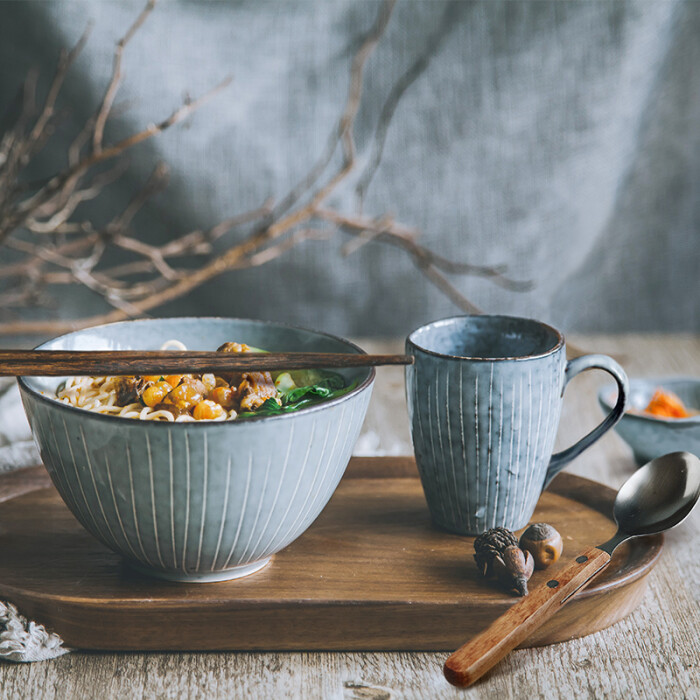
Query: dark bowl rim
{"type": "Point", "coordinates": [134, 422]}
{"type": "Point", "coordinates": [520, 358]}
{"type": "Point", "coordinates": [643, 417]}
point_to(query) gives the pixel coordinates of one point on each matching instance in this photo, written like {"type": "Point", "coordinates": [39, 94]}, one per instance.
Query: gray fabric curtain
{"type": "Point", "coordinates": [559, 138]}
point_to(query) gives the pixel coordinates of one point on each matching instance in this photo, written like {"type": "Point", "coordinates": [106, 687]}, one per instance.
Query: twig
{"type": "Point", "coordinates": [106, 106]}
{"type": "Point", "coordinates": [395, 234]}
{"type": "Point", "coordinates": [447, 24]}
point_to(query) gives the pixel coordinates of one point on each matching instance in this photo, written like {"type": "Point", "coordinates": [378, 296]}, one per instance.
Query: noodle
{"type": "Point", "coordinates": [99, 394]}
{"type": "Point", "coordinates": [184, 398]}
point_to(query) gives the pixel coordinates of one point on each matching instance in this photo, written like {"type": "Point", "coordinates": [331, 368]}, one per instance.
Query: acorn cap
{"type": "Point", "coordinates": [491, 544]}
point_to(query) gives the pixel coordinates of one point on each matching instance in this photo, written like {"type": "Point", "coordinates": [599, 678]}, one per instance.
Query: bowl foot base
{"type": "Point", "coordinates": [206, 577]}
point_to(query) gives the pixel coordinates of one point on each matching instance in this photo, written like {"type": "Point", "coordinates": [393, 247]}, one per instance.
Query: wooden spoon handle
{"type": "Point", "coordinates": [484, 651]}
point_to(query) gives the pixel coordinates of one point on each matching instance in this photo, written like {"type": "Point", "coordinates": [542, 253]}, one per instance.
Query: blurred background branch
{"type": "Point", "coordinates": [53, 246]}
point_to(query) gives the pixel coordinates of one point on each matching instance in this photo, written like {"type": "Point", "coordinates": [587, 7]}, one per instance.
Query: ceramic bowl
{"type": "Point", "coordinates": [199, 501]}
{"type": "Point", "coordinates": [650, 437]}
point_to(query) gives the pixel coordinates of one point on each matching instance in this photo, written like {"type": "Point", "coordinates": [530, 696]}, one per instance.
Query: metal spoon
{"type": "Point", "coordinates": [655, 498]}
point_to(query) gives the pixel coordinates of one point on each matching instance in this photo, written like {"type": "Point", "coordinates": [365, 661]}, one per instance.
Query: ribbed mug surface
{"type": "Point", "coordinates": [484, 400]}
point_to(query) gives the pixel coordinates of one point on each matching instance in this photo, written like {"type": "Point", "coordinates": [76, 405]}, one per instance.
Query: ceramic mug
{"type": "Point", "coordinates": [484, 400]}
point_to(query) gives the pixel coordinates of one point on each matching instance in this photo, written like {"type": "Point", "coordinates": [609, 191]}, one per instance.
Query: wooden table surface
{"type": "Point", "coordinates": [653, 653]}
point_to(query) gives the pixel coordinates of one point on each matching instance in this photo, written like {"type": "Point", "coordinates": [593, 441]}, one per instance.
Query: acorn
{"type": "Point", "coordinates": [496, 552]}
{"type": "Point", "coordinates": [543, 542]}
{"type": "Point", "coordinates": [514, 568]}
{"type": "Point", "coordinates": [491, 544]}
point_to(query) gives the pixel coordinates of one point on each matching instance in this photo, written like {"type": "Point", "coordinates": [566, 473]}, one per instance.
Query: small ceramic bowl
{"type": "Point", "coordinates": [198, 501]}
{"type": "Point", "coordinates": [651, 437]}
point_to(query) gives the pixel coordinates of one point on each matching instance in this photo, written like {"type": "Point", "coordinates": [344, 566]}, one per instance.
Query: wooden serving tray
{"type": "Point", "coordinates": [371, 573]}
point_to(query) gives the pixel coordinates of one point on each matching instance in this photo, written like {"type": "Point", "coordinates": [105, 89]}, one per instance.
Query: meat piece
{"type": "Point", "coordinates": [256, 388]}
{"type": "Point", "coordinates": [129, 389]}
{"type": "Point", "coordinates": [233, 378]}
{"type": "Point", "coordinates": [233, 347]}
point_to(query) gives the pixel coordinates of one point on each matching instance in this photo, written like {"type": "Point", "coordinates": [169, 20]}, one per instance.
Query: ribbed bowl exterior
{"type": "Point", "coordinates": [184, 499]}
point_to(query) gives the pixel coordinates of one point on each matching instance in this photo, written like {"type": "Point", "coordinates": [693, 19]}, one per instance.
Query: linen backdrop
{"type": "Point", "coordinates": [559, 138]}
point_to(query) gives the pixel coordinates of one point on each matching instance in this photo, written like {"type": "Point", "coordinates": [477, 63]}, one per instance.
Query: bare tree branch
{"type": "Point", "coordinates": [39, 223]}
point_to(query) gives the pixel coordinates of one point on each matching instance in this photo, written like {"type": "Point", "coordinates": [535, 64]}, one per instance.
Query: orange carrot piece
{"type": "Point", "coordinates": [666, 404]}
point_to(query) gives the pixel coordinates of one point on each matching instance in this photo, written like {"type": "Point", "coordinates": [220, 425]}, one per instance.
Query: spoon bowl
{"type": "Point", "coordinates": [659, 495]}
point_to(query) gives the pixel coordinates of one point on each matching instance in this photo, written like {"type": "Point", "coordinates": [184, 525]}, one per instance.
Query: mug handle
{"type": "Point", "coordinates": [574, 367]}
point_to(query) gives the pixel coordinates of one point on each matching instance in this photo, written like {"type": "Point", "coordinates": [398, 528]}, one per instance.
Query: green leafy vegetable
{"type": "Point", "coordinates": [331, 387]}
{"type": "Point", "coordinates": [323, 390]}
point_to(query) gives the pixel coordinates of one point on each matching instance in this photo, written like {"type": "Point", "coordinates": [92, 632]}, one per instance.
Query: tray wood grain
{"type": "Point", "coordinates": [372, 573]}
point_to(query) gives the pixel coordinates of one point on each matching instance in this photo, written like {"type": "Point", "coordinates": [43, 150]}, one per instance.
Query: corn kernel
{"type": "Point", "coordinates": [224, 396]}
{"type": "Point", "coordinates": [207, 410]}
{"type": "Point", "coordinates": [185, 396]}
{"type": "Point", "coordinates": [156, 393]}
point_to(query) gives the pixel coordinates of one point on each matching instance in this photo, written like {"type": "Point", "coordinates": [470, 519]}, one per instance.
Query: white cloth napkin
{"type": "Point", "coordinates": [20, 639]}
{"type": "Point", "coordinates": [17, 448]}
{"type": "Point", "coordinates": [24, 641]}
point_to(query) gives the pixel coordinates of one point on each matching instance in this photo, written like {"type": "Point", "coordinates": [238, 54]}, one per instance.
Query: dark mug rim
{"type": "Point", "coordinates": [412, 344]}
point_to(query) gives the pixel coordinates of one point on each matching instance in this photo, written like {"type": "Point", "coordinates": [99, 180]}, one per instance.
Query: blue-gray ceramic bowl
{"type": "Point", "coordinates": [651, 437]}
{"type": "Point", "coordinates": [204, 501]}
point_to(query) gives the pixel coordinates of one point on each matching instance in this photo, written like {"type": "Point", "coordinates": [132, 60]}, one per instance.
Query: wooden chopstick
{"type": "Point", "coordinates": [59, 363]}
